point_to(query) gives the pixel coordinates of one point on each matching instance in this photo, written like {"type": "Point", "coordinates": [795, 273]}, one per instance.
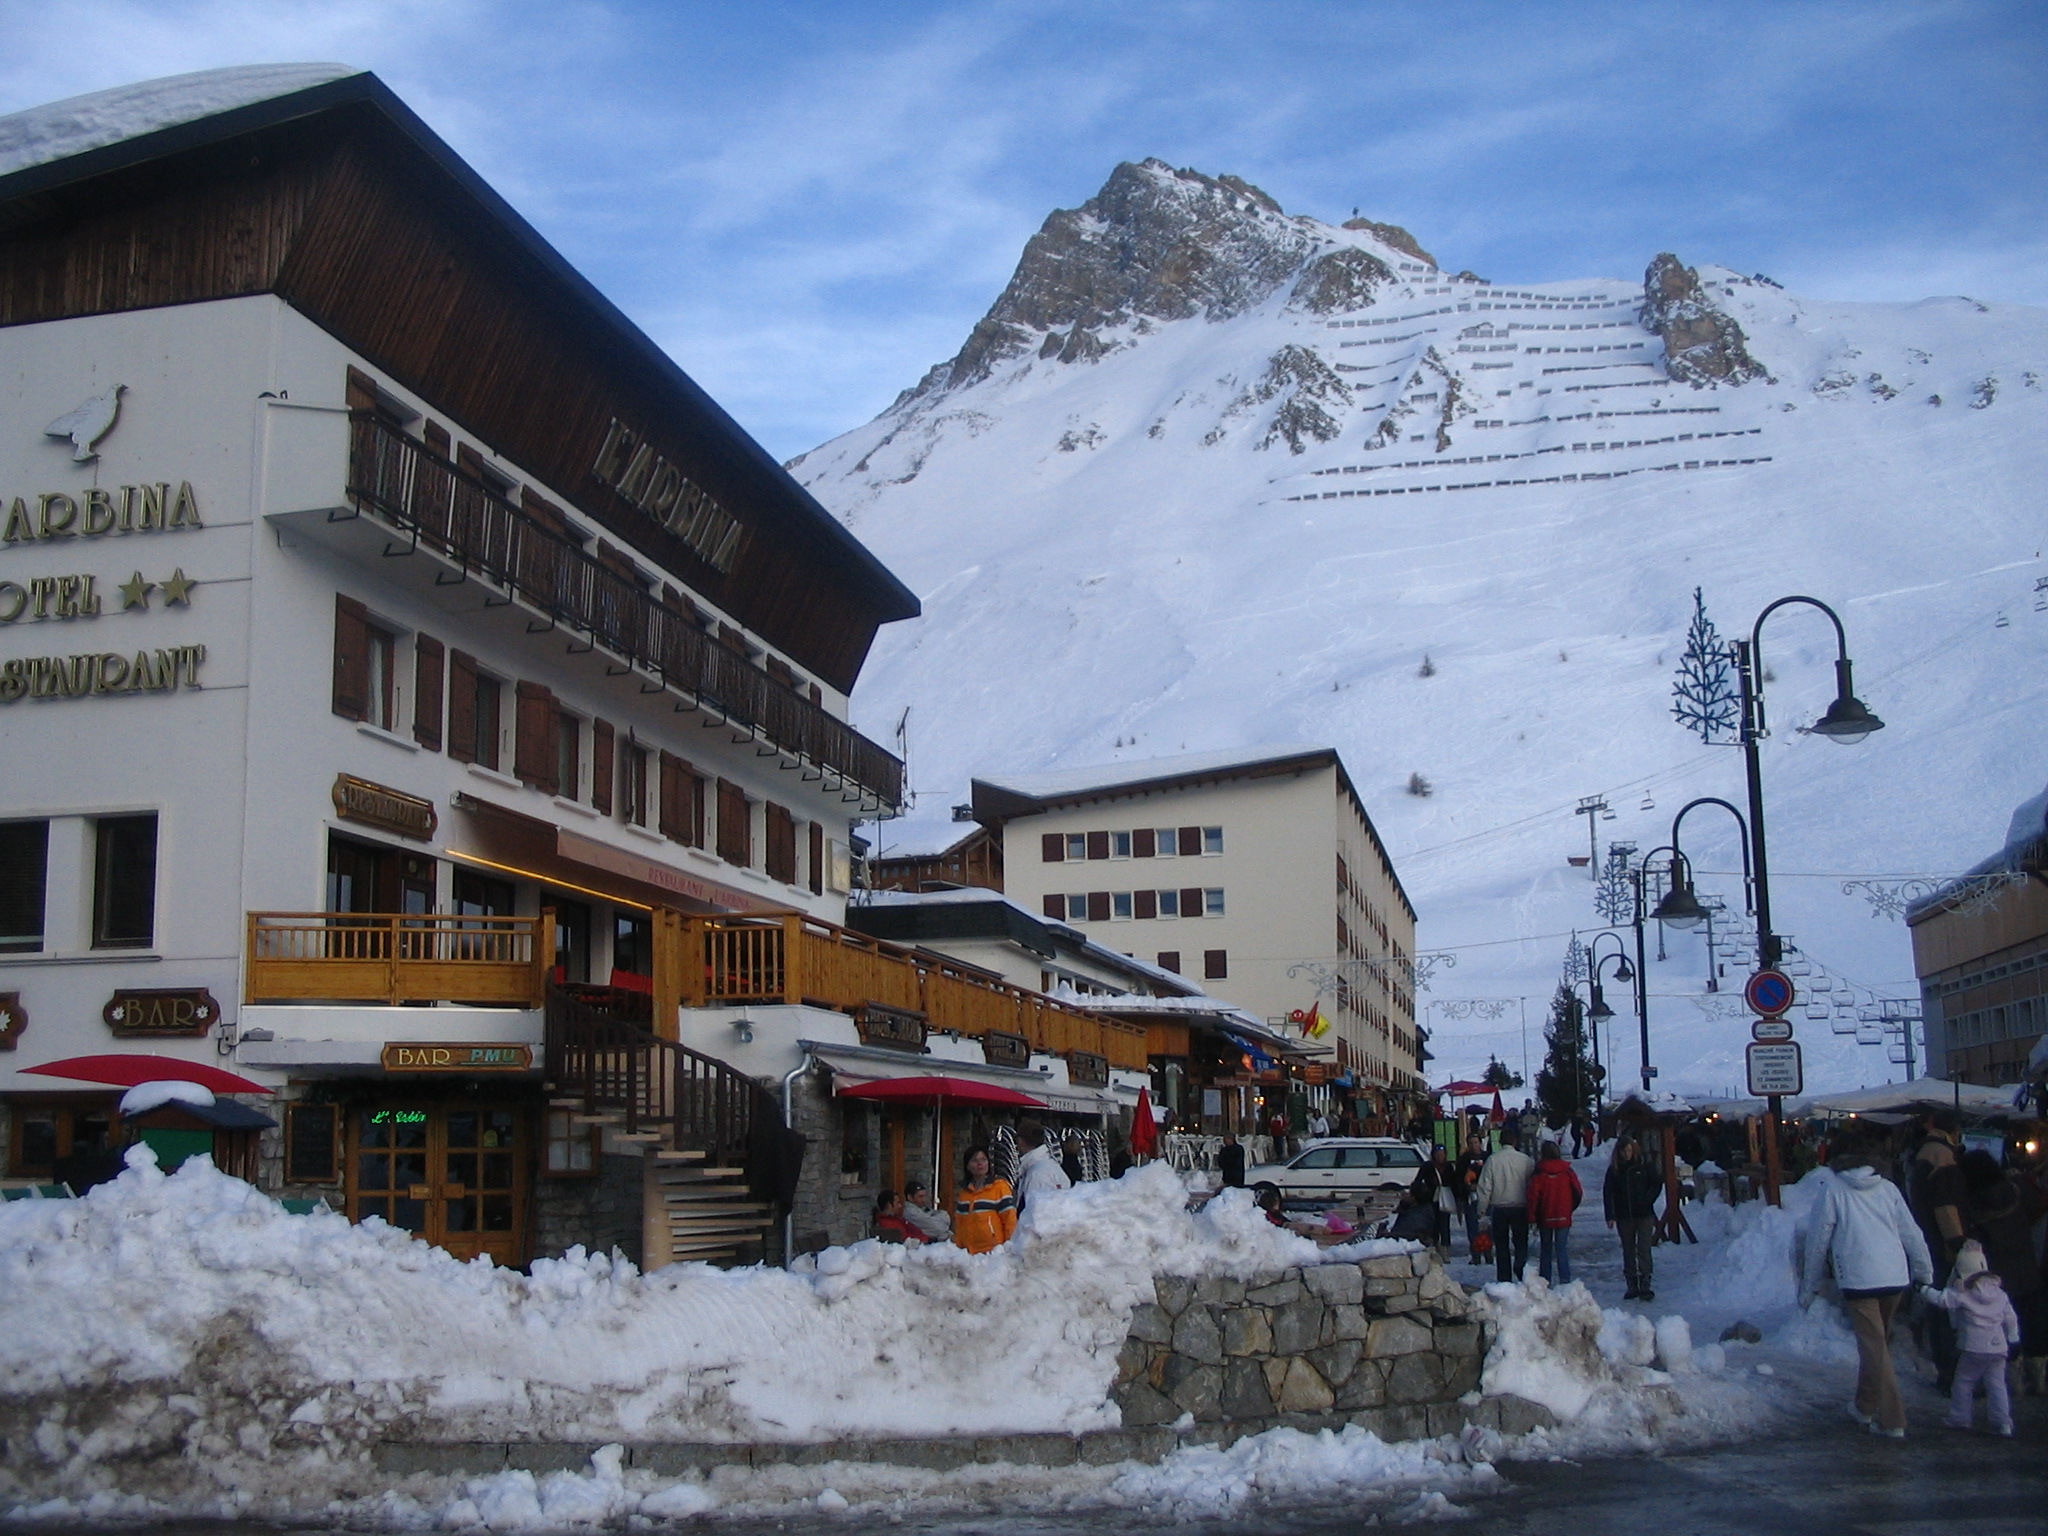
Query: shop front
{"type": "Point", "coordinates": [453, 1172]}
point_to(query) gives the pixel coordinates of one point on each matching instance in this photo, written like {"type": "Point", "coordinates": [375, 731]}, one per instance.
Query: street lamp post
{"type": "Point", "coordinates": [1847, 721]}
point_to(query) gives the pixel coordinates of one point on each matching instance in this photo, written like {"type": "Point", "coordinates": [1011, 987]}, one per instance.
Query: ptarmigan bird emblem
{"type": "Point", "coordinates": [88, 423]}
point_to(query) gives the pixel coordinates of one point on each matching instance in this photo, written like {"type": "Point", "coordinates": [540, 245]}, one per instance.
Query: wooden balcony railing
{"type": "Point", "coordinates": [376, 957]}
{"type": "Point", "coordinates": [459, 516]}
{"type": "Point", "coordinates": [790, 958]}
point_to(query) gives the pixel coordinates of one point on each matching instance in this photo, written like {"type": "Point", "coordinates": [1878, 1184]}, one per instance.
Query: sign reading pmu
{"type": "Point", "coordinates": [628, 464]}
{"type": "Point", "coordinates": [127, 509]}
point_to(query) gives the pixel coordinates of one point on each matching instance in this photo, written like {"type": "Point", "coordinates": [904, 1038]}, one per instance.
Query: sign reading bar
{"type": "Point", "coordinates": [378, 805]}
{"type": "Point", "coordinates": [999, 1049]}
{"type": "Point", "coordinates": [1775, 1070]}
{"type": "Point", "coordinates": [900, 1029]}
{"type": "Point", "coordinates": [429, 1056]}
{"type": "Point", "coordinates": [145, 1012]}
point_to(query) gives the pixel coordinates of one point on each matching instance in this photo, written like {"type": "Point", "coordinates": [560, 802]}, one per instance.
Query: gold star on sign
{"type": "Point", "coordinates": [135, 592]}
{"type": "Point", "coordinates": [178, 588]}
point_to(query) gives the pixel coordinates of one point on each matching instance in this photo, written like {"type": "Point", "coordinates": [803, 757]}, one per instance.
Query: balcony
{"type": "Point", "coordinates": [790, 958]}
{"type": "Point", "coordinates": [460, 518]}
{"type": "Point", "coordinates": [387, 958]}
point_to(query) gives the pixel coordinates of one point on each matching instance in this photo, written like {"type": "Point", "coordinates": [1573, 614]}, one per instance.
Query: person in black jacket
{"type": "Point", "coordinates": [1230, 1162]}
{"type": "Point", "coordinates": [1629, 1194]}
{"type": "Point", "coordinates": [1466, 1185]}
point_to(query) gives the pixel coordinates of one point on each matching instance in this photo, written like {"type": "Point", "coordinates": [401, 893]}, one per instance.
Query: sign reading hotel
{"type": "Point", "coordinates": [428, 1056]}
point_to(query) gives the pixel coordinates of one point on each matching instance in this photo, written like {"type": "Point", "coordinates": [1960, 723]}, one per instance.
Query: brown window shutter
{"type": "Point", "coordinates": [779, 857]}
{"type": "Point", "coordinates": [817, 858]}
{"type": "Point", "coordinates": [362, 391]}
{"type": "Point", "coordinates": [1145, 903]}
{"type": "Point", "coordinates": [428, 659]}
{"type": "Point", "coordinates": [735, 834]}
{"type": "Point", "coordinates": [462, 706]}
{"type": "Point", "coordinates": [1169, 960]}
{"type": "Point", "coordinates": [1190, 842]}
{"type": "Point", "coordinates": [1191, 901]}
{"type": "Point", "coordinates": [1144, 843]}
{"type": "Point", "coordinates": [674, 821]}
{"type": "Point", "coordinates": [1215, 965]}
{"type": "Point", "coordinates": [351, 658]}
{"type": "Point", "coordinates": [535, 751]}
{"type": "Point", "coordinates": [1098, 906]}
{"type": "Point", "coordinates": [435, 436]}
{"type": "Point", "coordinates": [601, 767]}
{"type": "Point", "coordinates": [698, 817]}
{"type": "Point", "coordinates": [1052, 847]}
{"type": "Point", "coordinates": [1098, 845]}
{"type": "Point", "coordinates": [1056, 908]}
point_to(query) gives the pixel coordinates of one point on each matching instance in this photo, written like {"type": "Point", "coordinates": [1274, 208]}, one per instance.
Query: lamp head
{"type": "Point", "coordinates": [1624, 971]}
{"type": "Point", "coordinates": [1848, 719]}
{"type": "Point", "coordinates": [1680, 908]}
{"type": "Point", "coordinates": [1599, 1010]}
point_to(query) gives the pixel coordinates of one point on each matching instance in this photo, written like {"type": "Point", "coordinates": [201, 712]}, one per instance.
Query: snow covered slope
{"type": "Point", "coordinates": [1208, 475]}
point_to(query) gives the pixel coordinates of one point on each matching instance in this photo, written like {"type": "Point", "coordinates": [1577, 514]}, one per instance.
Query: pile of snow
{"type": "Point", "coordinates": [192, 1314]}
{"type": "Point", "coordinates": [1749, 1272]}
{"type": "Point", "coordinates": [147, 1096]}
{"type": "Point", "coordinates": [61, 129]}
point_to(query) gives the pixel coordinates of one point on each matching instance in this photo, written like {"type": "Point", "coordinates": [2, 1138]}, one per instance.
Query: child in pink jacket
{"type": "Point", "coordinates": [1987, 1328]}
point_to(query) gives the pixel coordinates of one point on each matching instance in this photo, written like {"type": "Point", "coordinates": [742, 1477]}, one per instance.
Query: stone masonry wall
{"type": "Point", "coordinates": [1355, 1341]}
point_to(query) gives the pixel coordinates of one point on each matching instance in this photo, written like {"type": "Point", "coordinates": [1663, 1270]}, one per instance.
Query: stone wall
{"type": "Point", "coordinates": [601, 1213]}
{"type": "Point", "coordinates": [1353, 1341]}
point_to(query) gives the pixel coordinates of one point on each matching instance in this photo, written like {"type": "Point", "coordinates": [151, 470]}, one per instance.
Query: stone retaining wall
{"type": "Point", "coordinates": [1343, 1339]}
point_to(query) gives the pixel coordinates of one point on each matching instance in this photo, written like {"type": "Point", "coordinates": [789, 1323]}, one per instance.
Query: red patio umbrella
{"type": "Point", "coordinates": [125, 1071]}
{"type": "Point", "coordinates": [930, 1090]}
{"type": "Point", "coordinates": [1496, 1115]}
{"type": "Point", "coordinates": [1144, 1127]}
{"type": "Point", "coordinates": [1465, 1088]}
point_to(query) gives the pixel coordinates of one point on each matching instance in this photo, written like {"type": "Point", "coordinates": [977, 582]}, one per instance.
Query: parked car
{"type": "Point", "coordinates": [1342, 1168]}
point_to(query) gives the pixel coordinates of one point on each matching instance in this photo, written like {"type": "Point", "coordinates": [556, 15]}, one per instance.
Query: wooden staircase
{"type": "Point", "coordinates": [699, 1124]}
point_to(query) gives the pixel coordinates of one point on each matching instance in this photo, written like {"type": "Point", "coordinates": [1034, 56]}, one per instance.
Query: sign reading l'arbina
{"type": "Point", "coordinates": [97, 512]}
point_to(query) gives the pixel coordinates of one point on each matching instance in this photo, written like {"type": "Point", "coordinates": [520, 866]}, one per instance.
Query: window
{"type": "Point", "coordinates": [1077, 845]}
{"type": "Point", "coordinates": [633, 785]}
{"type": "Point", "coordinates": [46, 1134]}
{"type": "Point", "coordinates": [735, 825]}
{"type": "Point", "coordinates": [1400, 1157]}
{"type": "Point", "coordinates": [1169, 960]}
{"type": "Point", "coordinates": [1120, 905]}
{"type": "Point", "coordinates": [381, 702]}
{"type": "Point", "coordinates": [1361, 1157]}
{"type": "Point", "coordinates": [1077, 909]}
{"type": "Point", "coordinates": [1212, 840]}
{"type": "Point", "coordinates": [483, 716]}
{"type": "Point", "coordinates": [572, 936]}
{"type": "Point", "coordinates": [1169, 903]}
{"type": "Point", "coordinates": [481, 896]}
{"type": "Point", "coordinates": [568, 756]}
{"type": "Point", "coordinates": [1191, 903]}
{"type": "Point", "coordinates": [853, 1143]}
{"type": "Point", "coordinates": [1215, 965]}
{"type": "Point", "coordinates": [1119, 845]}
{"type": "Point", "coordinates": [568, 1150]}
{"type": "Point", "coordinates": [1168, 841]}
{"type": "Point", "coordinates": [124, 883]}
{"type": "Point", "coordinates": [632, 944]}
{"type": "Point", "coordinates": [24, 875]}
{"type": "Point", "coordinates": [682, 802]}
{"type": "Point", "coordinates": [817, 858]}
{"type": "Point", "coordinates": [1212, 902]}
{"type": "Point", "coordinates": [312, 1137]}
{"type": "Point", "coordinates": [1317, 1157]}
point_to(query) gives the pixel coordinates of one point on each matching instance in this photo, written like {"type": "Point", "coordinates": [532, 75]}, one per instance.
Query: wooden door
{"type": "Point", "coordinates": [452, 1174]}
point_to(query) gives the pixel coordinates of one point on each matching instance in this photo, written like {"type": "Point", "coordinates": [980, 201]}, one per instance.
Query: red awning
{"type": "Point", "coordinates": [938, 1089]}
{"type": "Point", "coordinates": [1464, 1088]}
{"type": "Point", "coordinates": [125, 1071]}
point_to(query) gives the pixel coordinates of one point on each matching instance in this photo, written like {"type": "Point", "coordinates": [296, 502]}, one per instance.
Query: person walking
{"type": "Point", "coordinates": [1554, 1194]}
{"type": "Point", "coordinates": [985, 1209]}
{"type": "Point", "coordinates": [1503, 1193]}
{"type": "Point", "coordinates": [1469, 1165]}
{"type": "Point", "coordinates": [1628, 1195]}
{"type": "Point", "coordinates": [1987, 1330]}
{"type": "Point", "coordinates": [1862, 1227]}
{"type": "Point", "coordinates": [1939, 1198]}
{"type": "Point", "coordinates": [1432, 1188]}
{"type": "Point", "coordinates": [1230, 1161]}
{"type": "Point", "coordinates": [2001, 1216]}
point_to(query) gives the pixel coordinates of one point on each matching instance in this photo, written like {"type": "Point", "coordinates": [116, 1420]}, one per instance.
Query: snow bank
{"type": "Point", "coordinates": [1749, 1271]}
{"type": "Point", "coordinates": [79, 123]}
{"type": "Point", "coordinates": [193, 1314]}
{"type": "Point", "coordinates": [144, 1097]}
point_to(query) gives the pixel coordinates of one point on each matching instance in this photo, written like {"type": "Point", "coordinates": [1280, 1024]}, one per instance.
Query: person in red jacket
{"type": "Point", "coordinates": [1554, 1193]}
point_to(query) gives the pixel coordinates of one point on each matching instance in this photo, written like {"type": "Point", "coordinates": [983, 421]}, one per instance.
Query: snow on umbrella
{"type": "Point", "coordinates": [126, 1071]}
{"type": "Point", "coordinates": [953, 1090]}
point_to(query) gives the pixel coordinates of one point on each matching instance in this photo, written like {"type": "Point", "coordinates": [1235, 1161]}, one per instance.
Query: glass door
{"type": "Point", "coordinates": [451, 1174]}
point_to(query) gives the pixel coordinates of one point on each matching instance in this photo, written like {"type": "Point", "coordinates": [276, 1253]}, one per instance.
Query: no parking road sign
{"type": "Point", "coordinates": [1769, 993]}
{"type": "Point", "coordinates": [1775, 1070]}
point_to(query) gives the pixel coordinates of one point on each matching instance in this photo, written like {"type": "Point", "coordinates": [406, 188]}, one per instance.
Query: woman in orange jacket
{"type": "Point", "coordinates": [985, 1209]}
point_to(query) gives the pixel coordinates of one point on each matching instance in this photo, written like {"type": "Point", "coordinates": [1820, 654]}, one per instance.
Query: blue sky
{"type": "Point", "coordinates": [809, 203]}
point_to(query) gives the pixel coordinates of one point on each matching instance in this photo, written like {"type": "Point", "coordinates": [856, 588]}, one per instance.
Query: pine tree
{"type": "Point", "coordinates": [1566, 1083]}
{"type": "Point", "coordinates": [1500, 1076]}
{"type": "Point", "coordinates": [1707, 703]}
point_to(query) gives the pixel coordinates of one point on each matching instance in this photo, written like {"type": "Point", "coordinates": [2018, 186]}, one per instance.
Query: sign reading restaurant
{"type": "Point", "coordinates": [379, 805]}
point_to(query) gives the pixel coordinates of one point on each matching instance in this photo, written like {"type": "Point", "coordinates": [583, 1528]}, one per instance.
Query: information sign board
{"type": "Point", "coordinates": [1775, 1070]}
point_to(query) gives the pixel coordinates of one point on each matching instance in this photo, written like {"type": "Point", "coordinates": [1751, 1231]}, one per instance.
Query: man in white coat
{"type": "Point", "coordinates": [1503, 1193]}
{"type": "Point", "coordinates": [1863, 1228]}
{"type": "Point", "coordinates": [1038, 1171]}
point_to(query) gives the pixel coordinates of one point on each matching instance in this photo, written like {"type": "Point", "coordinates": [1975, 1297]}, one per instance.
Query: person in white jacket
{"type": "Point", "coordinates": [1503, 1193]}
{"type": "Point", "coordinates": [1038, 1172]}
{"type": "Point", "coordinates": [1863, 1228]}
